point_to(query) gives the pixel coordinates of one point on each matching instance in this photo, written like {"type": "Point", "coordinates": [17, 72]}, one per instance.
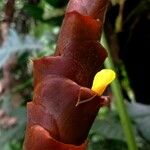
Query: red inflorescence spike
{"type": "Point", "coordinates": [64, 107]}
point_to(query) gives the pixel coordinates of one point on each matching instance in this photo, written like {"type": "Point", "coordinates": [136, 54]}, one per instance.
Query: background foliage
{"type": "Point", "coordinates": [33, 33]}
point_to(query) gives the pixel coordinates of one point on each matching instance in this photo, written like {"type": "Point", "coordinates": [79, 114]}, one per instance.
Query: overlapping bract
{"type": "Point", "coordinates": [64, 107]}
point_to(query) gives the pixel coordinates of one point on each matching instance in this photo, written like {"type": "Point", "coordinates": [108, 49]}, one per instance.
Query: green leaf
{"type": "Point", "coordinates": [140, 114]}
{"type": "Point", "coordinates": [57, 3]}
{"type": "Point", "coordinates": [34, 11]}
{"type": "Point", "coordinates": [107, 145]}
{"type": "Point", "coordinates": [109, 127]}
{"type": "Point", "coordinates": [55, 21]}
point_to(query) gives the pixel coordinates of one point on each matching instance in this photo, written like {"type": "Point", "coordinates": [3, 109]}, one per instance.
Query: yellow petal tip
{"type": "Point", "coordinates": [102, 79]}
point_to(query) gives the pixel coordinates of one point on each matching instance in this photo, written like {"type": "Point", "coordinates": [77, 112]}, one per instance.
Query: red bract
{"type": "Point", "coordinates": [95, 8]}
{"type": "Point", "coordinates": [63, 107]}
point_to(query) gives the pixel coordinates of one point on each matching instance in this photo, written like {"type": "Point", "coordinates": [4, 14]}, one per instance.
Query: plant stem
{"type": "Point", "coordinates": [120, 105]}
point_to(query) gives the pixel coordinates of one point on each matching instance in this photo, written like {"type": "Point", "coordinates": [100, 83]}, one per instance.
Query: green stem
{"type": "Point", "coordinates": [120, 105]}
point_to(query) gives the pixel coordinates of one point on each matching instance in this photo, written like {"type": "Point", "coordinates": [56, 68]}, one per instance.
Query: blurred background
{"type": "Point", "coordinates": [29, 29]}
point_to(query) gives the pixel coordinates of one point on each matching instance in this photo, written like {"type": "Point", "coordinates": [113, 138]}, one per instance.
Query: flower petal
{"type": "Point", "coordinates": [102, 79]}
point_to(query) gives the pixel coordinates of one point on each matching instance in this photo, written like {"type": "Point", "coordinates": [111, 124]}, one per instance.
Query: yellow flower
{"type": "Point", "coordinates": [102, 79]}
